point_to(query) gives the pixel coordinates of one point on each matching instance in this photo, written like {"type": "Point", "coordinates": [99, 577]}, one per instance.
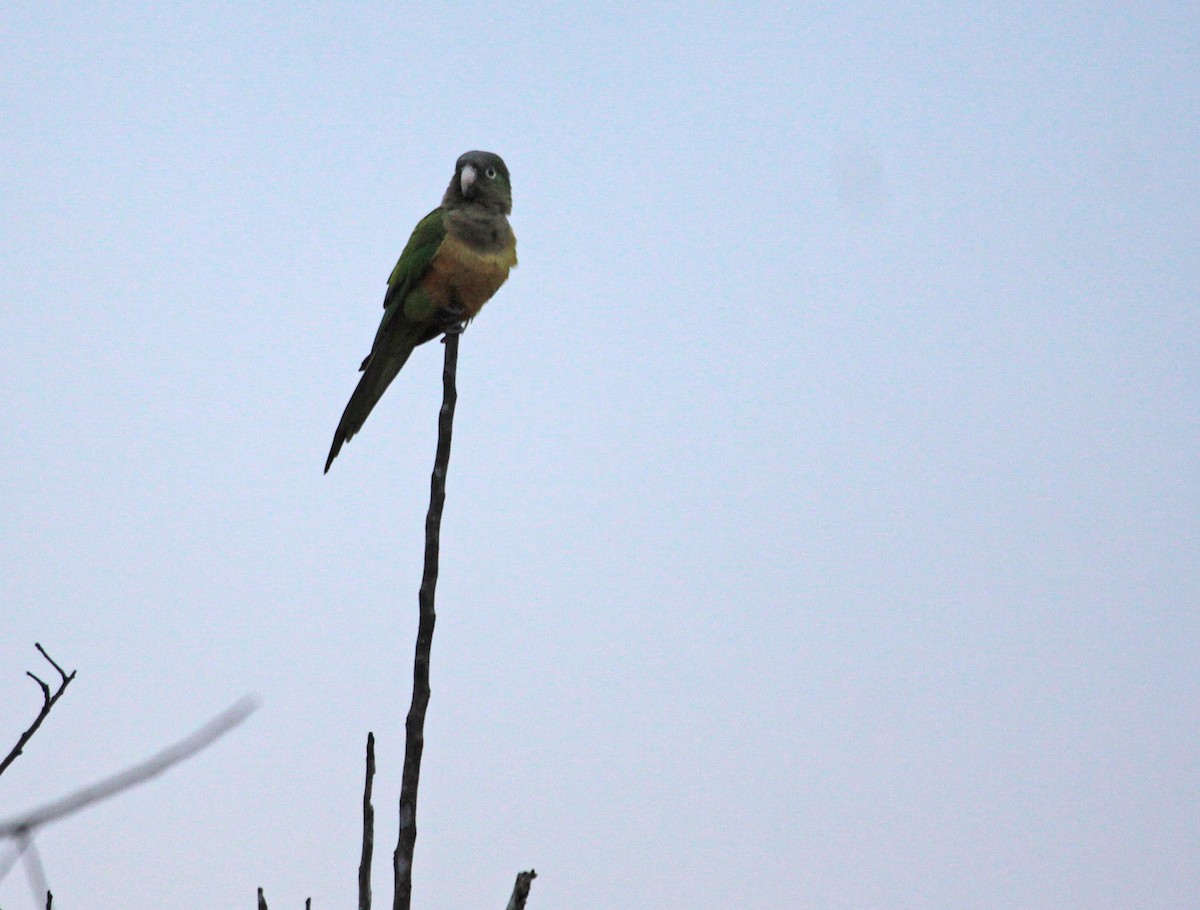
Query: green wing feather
{"type": "Point", "coordinates": [418, 253]}
{"type": "Point", "coordinates": [405, 325]}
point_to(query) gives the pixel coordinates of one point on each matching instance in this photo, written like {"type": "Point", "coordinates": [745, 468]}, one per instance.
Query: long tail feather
{"type": "Point", "coordinates": [379, 371]}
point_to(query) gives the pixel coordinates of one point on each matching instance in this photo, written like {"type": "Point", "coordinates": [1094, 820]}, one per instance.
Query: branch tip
{"type": "Point", "coordinates": [521, 890]}
{"type": "Point", "coordinates": [37, 679]}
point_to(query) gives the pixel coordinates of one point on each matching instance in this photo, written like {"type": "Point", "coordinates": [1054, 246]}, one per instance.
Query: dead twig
{"type": "Point", "coordinates": [48, 701]}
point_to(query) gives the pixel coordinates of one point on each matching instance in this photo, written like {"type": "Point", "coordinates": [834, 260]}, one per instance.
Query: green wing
{"type": "Point", "coordinates": [418, 253]}
{"type": "Point", "coordinates": [422, 246]}
{"type": "Point", "coordinates": [399, 331]}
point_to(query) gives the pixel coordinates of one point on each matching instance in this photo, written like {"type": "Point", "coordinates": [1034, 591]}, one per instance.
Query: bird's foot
{"type": "Point", "coordinates": [452, 319]}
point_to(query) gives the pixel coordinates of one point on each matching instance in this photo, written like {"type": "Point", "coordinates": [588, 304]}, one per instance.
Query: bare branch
{"type": "Point", "coordinates": [41, 683]}
{"type": "Point", "coordinates": [48, 702]}
{"type": "Point", "coordinates": [14, 853]}
{"type": "Point", "coordinates": [65, 678]}
{"type": "Point", "coordinates": [34, 870]}
{"type": "Point", "coordinates": [368, 834]}
{"type": "Point", "coordinates": [521, 890]}
{"type": "Point", "coordinates": [414, 741]}
{"type": "Point", "coordinates": [9, 859]}
{"type": "Point", "coordinates": [24, 825]}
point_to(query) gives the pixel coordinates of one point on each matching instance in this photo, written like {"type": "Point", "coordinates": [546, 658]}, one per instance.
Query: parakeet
{"type": "Point", "coordinates": [456, 259]}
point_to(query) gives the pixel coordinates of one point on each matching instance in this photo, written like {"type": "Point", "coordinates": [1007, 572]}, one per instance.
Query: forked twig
{"type": "Point", "coordinates": [48, 701]}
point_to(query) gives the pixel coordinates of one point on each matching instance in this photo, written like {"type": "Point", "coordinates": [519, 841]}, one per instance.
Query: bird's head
{"type": "Point", "coordinates": [481, 178]}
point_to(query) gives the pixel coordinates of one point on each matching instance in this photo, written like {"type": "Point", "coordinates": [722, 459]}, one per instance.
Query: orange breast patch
{"type": "Point", "coordinates": [460, 275]}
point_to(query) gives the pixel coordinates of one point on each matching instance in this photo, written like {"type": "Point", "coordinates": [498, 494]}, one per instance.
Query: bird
{"type": "Point", "coordinates": [457, 257]}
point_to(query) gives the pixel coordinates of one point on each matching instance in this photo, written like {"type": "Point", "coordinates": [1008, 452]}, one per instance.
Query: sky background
{"type": "Point", "coordinates": [823, 524]}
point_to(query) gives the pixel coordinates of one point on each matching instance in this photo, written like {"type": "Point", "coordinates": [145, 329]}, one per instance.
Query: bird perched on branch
{"type": "Point", "coordinates": [456, 259]}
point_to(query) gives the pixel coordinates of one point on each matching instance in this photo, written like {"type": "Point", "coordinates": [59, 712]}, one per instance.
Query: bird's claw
{"type": "Point", "coordinates": [453, 319]}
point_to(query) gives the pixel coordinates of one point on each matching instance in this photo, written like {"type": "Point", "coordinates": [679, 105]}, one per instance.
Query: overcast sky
{"type": "Point", "coordinates": [823, 524]}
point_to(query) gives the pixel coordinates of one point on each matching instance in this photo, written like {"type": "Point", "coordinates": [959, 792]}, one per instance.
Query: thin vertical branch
{"type": "Point", "coordinates": [414, 741]}
{"type": "Point", "coordinates": [368, 834]}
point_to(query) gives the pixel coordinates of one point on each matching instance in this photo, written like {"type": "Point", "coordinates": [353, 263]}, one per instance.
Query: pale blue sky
{"type": "Point", "coordinates": [822, 526]}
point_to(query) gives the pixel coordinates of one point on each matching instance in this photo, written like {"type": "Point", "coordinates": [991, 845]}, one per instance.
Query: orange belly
{"type": "Point", "coordinates": [459, 275]}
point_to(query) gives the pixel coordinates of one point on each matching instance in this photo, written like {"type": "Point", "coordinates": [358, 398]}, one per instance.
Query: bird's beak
{"type": "Point", "coordinates": [467, 179]}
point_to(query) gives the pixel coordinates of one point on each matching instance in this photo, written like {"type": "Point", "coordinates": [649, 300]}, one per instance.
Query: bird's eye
{"type": "Point", "coordinates": [490, 173]}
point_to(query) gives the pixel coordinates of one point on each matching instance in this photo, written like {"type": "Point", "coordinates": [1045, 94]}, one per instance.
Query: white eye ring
{"type": "Point", "coordinates": [490, 173]}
